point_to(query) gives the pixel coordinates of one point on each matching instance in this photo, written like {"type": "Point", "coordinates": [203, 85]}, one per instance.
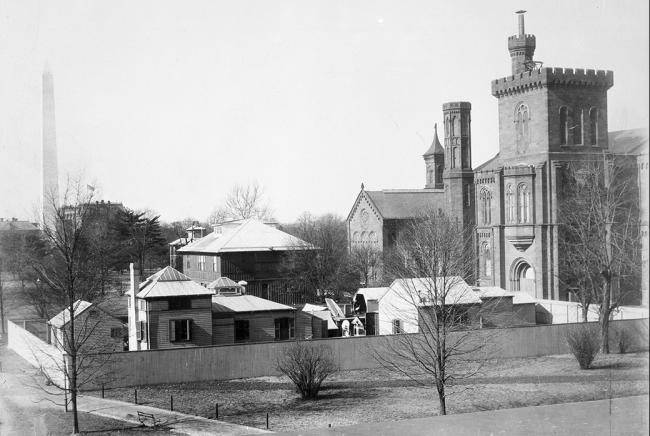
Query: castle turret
{"type": "Point", "coordinates": [458, 177]}
{"type": "Point", "coordinates": [434, 160]}
{"type": "Point", "coordinates": [522, 48]}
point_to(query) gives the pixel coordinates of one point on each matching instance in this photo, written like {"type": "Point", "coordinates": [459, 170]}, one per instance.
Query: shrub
{"type": "Point", "coordinates": [584, 342]}
{"type": "Point", "coordinates": [624, 339]}
{"type": "Point", "coordinates": [307, 365]}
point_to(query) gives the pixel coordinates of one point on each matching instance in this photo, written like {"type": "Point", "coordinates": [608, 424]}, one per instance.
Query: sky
{"type": "Point", "coordinates": [165, 105]}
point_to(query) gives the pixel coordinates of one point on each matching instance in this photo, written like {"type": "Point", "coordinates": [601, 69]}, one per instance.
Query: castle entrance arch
{"type": "Point", "coordinates": [523, 277]}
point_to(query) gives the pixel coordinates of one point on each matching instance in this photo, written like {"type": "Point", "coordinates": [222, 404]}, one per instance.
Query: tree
{"type": "Point", "coordinates": [242, 202]}
{"type": "Point", "coordinates": [366, 261]}
{"type": "Point", "coordinates": [141, 236]}
{"type": "Point", "coordinates": [430, 262]}
{"type": "Point", "coordinates": [307, 366]}
{"type": "Point", "coordinates": [324, 268]}
{"type": "Point", "coordinates": [71, 270]}
{"type": "Point", "coordinates": [599, 236]}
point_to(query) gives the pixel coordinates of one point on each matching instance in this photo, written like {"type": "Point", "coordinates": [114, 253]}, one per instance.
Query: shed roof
{"type": "Point", "coordinates": [244, 303]}
{"type": "Point", "coordinates": [372, 293]}
{"type": "Point", "coordinates": [631, 141]}
{"type": "Point", "coordinates": [249, 235]}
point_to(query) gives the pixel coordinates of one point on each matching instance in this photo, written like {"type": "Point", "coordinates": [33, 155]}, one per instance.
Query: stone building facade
{"type": "Point", "coordinates": [548, 117]}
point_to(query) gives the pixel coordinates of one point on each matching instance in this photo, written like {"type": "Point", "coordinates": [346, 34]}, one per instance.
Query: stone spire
{"type": "Point", "coordinates": [436, 147]}
{"type": "Point", "coordinates": [50, 154]}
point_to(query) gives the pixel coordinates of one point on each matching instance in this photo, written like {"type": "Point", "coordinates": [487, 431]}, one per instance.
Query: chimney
{"type": "Point", "coordinates": [521, 22]}
{"type": "Point", "coordinates": [134, 344]}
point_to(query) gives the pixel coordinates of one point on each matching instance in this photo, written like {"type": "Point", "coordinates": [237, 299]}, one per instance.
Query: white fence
{"type": "Point", "coordinates": [565, 312]}
{"type": "Point", "coordinates": [49, 359]}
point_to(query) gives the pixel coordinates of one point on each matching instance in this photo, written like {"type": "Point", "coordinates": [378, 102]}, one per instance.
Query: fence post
{"type": "Point", "coordinates": [267, 420]}
{"type": "Point", "coordinates": [102, 390]}
{"type": "Point", "coordinates": [135, 394]}
{"type": "Point", "coordinates": [216, 411]}
{"type": "Point", "coordinates": [171, 403]}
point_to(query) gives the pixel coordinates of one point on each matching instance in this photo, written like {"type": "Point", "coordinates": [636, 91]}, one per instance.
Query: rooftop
{"type": "Point", "coordinates": [244, 303]}
{"type": "Point", "coordinates": [401, 204]}
{"type": "Point", "coordinates": [169, 282]}
{"type": "Point", "coordinates": [63, 317]}
{"type": "Point", "coordinates": [422, 290]}
{"type": "Point", "coordinates": [246, 235]}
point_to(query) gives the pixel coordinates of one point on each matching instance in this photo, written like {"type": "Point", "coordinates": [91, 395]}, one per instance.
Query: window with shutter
{"type": "Point", "coordinates": [180, 330]}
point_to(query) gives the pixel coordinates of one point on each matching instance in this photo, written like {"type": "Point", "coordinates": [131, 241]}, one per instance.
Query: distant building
{"type": "Point", "coordinates": [170, 310]}
{"type": "Point", "coordinates": [194, 232]}
{"type": "Point", "coordinates": [247, 250]}
{"type": "Point", "coordinates": [548, 118]}
{"type": "Point", "coordinates": [95, 329]}
{"type": "Point", "coordinates": [16, 225]}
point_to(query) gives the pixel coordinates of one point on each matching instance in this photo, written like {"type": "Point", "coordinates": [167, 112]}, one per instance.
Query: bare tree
{"type": "Point", "coordinates": [242, 202]}
{"type": "Point", "coordinates": [432, 307]}
{"type": "Point", "coordinates": [599, 236]}
{"type": "Point", "coordinates": [321, 264]}
{"type": "Point", "coordinates": [366, 260]}
{"type": "Point", "coordinates": [307, 366]}
{"type": "Point", "coordinates": [71, 270]}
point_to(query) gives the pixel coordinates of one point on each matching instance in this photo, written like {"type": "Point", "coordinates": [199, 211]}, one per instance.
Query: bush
{"type": "Point", "coordinates": [307, 365]}
{"type": "Point", "coordinates": [624, 339]}
{"type": "Point", "coordinates": [584, 342]}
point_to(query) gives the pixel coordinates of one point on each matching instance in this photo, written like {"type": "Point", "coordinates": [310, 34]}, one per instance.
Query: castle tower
{"type": "Point", "coordinates": [522, 48]}
{"type": "Point", "coordinates": [434, 161]}
{"type": "Point", "coordinates": [50, 157]}
{"type": "Point", "coordinates": [458, 177]}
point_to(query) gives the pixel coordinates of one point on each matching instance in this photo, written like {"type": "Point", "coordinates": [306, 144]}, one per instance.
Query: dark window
{"type": "Point", "coordinates": [577, 127]}
{"type": "Point", "coordinates": [397, 326]}
{"type": "Point", "coordinates": [593, 126]}
{"type": "Point", "coordinates": [180, 330]}
{"type": "Point", "coordinates": [242, 330]}
{"type": "Point", "coordinates": [141, 332]}
{"type": "Point", "coordinates": [180, 303]}
{"type": "Point", "coordinates": [284, 329]}
{"type": "Point", "coordinates": [116, 332]}
{"type": "Point", "coordinates": [563, 125]}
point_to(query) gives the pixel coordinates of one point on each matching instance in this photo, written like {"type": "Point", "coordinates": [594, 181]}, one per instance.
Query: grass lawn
{"type": "Point", "coordinates": [352, 397]}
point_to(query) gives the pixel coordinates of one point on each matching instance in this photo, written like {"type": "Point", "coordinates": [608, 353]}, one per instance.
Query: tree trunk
{"type": "Point", "coordinates": [585, 312]}
{"type": "Point", "coordinates": [442, 399]}
{"type": "Point", "coordinates": [604, 331]}
{"type": "Point", "coordinates": [73, 394]}
{"type": "Point", "coordinates": [2, 308]}
{"type": "Point", "coordinates": [605, 311]}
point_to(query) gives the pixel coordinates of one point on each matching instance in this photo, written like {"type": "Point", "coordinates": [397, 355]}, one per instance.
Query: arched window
{"type": "Point", "coordinates": [524, 203]}
{"type": "Point", "coordinates": [593, 126]}
{"type": "Point", "coordinates": [439, 174]}
{"type": "Point", "coordinates": [577, 127]}
{"type": "Point", "coordinates": [456, 131]}
{"type": "Point", "coordinates": [429, 175]}
{"type": "Point", "coordinates": [372, 238]}
{"type": "Point", "coordinates": [486, 260]}
{"type": "Point", "coordinates": [510, 204]}
{"type": "Point", "coordinates": [485, 201]}
{"type": "Point", "coordinates": [563, 125]}
{"type": "Point", "coordinates": [522, 121]}
{"type": "Point", "coordinates": [362, 238]}
{"type": "Point", "coordinates": [355, 237]}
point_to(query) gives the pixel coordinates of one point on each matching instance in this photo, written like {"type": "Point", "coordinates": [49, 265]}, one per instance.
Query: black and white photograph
{"type": "Point", "coordinates": [324, 217]}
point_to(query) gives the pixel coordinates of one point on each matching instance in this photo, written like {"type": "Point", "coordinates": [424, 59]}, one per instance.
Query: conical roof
{"type": "Point", "coordinates": [436, 147]}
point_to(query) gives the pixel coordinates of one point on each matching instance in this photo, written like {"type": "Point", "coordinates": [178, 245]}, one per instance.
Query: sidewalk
{"type": "Point", "coordinates": [175, 421]}
{"type": "Point", "coordinates": [627, 416]}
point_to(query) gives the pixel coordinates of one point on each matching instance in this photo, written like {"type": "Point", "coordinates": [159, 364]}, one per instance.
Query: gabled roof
{"type": "Point", "coordinates": [421, 290]}
{"type": "Point", "coordinates": [490, 164]}
{"type": "Point", "coordinates": [631, 141]}
{"type": "Point", "coordinates": [405, 204]}
{"type": "Point", "coordinates": [169, 282]}
{"type": "Point", "coordinates": [244, 303]}
{"type": "Point", "coordinates": [250, 235]}
{"type": "Point", "coordinates": [63, 317]}
{"type": "Point", "coordinates": [436, 147]}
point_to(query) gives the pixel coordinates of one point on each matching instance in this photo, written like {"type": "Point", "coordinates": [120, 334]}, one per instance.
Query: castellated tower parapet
{"type": "Point", "coordinates": [521, 48]}
{"type": "Point", "coordinates": [458, 137]}
{"type": "Point", "coordinates": [552, 77]}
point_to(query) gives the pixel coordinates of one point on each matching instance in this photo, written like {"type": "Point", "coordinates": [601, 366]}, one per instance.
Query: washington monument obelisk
{"type": "Point", "coordinates": [50, 157]}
